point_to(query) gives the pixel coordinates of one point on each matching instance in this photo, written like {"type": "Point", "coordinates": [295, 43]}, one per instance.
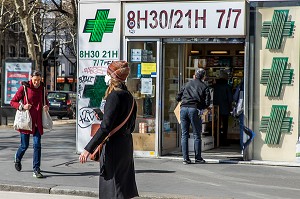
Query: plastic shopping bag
{"type": "Point", "coordinates": [47, 121]}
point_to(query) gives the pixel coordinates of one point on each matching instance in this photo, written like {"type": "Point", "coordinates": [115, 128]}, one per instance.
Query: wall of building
{"type": "Point", "coordinates": [289, 95]}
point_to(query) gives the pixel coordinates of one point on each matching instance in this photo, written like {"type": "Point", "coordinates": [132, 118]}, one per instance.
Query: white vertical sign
{"type": "Point", "coordinates": [98, 46]}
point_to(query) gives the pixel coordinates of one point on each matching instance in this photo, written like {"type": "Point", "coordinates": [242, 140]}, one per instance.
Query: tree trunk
{"type": "Point", "coordinates": [27, 26]}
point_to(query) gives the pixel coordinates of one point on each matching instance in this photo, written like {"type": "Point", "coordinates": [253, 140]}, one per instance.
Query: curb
{"type": "Point", "coordinates": [270, 163]}
{"type": "Point", "coordinates": [58, 190]}
{"type": "Point", "coordinates": [251, 162]}
{"type": "Point", "coordinates": [22, 188]}
{"type": "Point", "coordinates": [77, 191]}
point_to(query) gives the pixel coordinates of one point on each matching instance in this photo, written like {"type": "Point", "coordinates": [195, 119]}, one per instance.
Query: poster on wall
{"type": "Point", "coordinates": [99, 25]}
{"type": "Point", "coordinates": [14, 74]}
{"type": "Point", "coordinates": [148, 69]}
{"type": "Point", "coordinates": [146, 86]}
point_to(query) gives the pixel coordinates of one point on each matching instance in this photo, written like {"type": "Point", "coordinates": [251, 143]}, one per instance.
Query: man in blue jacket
{"type": "Point", "coordinates": [194, 97]}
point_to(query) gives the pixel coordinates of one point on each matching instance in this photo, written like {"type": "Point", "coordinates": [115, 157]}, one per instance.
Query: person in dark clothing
{"type": "Point", "coordinates": [35, 105]}
{"type": "Point", "coordinates": [117, 174]}
{"type": "Point", "coordinates": [236, 97]}
{"type": "Point", "coordinates": [222, 96]}
{"type": "Point", "coordinates": [194, 97]}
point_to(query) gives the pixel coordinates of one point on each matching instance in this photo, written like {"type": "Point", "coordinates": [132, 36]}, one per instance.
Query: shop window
{"type": "Point", "coordinates": [142, 84]}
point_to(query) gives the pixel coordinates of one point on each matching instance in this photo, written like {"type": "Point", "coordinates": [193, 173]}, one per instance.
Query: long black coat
{"type": "Point", "coordinates": [117, 174]}
{"type": "Point", "coordinates": [223, 96]}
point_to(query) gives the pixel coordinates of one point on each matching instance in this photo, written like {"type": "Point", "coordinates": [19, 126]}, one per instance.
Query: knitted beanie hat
{"type": "Point", "coordinates": [118, 70]}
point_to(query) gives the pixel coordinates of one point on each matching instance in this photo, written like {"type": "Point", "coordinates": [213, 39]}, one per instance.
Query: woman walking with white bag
{"type": "Point", "coordinates": [34, 102]}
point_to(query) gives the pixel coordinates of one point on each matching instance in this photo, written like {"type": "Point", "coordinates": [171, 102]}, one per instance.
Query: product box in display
{"type": "Point", "coordinates": [144, 56]}
{"type": "Point", "coordinates": [136, 52]}
{"type": "Point", "coordinates": [143, 127]}
{"type": "Point", "coordinates": [136, 55]}
{"type": "Point", "coordinates": [136, 58]}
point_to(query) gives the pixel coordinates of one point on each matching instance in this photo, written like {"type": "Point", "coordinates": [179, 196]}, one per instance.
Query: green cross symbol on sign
{"type": "Point", "coordinates": [277, 28]}
{"type": "Point", "coordinates": [276, 124]}
{"type": "Point", "coordinates": [98, 26]}
{"type": "Point", "coordinates": [95, 92]}
{"type": "Point", "coordinates": [275, 77]}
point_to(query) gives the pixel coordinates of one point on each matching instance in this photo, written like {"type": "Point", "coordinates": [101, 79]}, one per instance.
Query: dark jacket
{"type": "Point", "coordinates": [223, 96]}
{"type": "Point", "coordinates": [239, 88]}
{"type": "Point", "coordinates": [35, 98]}
{"type": "Point", "coordinates": [117, 174]}
{"type": "Point", "coordinates": [195, 94]}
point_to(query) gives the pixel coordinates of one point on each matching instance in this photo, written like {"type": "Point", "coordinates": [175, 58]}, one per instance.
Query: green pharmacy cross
{"type": "Point", "coordinates": [275, 77]}
{"type": "Point", "coordinates": [276, 29]}
{"type": "Point", "coordinates": [276, 124]}
{"type": "Point", "coordinates": [95, 92]}
{"type": "Point", "coordinates": [98, 26]}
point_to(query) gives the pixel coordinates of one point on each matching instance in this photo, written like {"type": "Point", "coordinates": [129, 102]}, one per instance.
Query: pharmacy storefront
{"type": "Point", "coordinates": [164, 43]}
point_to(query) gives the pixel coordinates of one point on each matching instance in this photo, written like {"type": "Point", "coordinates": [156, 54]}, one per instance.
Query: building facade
{"type": "Point", "coordinates": [166, 41]}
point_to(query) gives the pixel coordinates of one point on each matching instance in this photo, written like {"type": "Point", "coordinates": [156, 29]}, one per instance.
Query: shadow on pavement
{"type": "Point", "coordinates": [153, 171]}
{"type": "Point", "coordinates": [49, 174]}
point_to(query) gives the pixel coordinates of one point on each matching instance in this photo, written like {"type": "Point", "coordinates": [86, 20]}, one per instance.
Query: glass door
{"type": "Point", "coordinates": [173, 55]}
{"type": "Point", "coordinates": [142, 56]}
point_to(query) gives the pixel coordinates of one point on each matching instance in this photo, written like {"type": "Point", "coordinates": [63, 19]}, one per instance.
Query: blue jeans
{"type": "Point", "coordinates": [190, 116]}
{"type": "Point", "coordinates": [241, 123]}
{"type": "Point", "coordinates": [36, 148]}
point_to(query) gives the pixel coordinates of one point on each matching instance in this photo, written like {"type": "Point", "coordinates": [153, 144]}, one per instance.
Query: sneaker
{"type": "Point", "coordinates": [18, 165]}
{"type": "Point", "coordinates": [37, 174]}
{"type": "Point", "coordinates": [200, 161]}
{"type": "Point", "coordinates": [187, 161]}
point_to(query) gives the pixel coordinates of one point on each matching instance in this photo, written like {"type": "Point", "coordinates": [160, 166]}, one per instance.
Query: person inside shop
{"type": "Point", "coordinates": [222, 96]}
{"type": "Point", "coordinates": [238, 110]}
{"type": "Point", "coordinates": [194, 97]}
{"type": "Point", "coordinates": [117, 174]}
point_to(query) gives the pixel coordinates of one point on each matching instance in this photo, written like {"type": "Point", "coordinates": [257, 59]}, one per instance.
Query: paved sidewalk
{"type": "Point", "coordinates": [164, 177]}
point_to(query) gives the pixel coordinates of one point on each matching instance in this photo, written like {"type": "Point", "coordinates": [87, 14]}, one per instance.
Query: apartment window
{"type": "Point", "coordinates": [71, 68]}
{"type": "Point", "coordinates": [23, 52]}
{"type": "Point", "coordinates": [12, 51]}
{"type": "Point", "coordinates": [2, 51]}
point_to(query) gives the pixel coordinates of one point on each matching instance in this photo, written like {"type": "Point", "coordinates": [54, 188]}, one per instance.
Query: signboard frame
{"type": "Point", "coordinates": [188, 18]}
{"type": "Point", "coordinates": [95, 52]}
{"type": "Point", "coordinates": [18, 70]}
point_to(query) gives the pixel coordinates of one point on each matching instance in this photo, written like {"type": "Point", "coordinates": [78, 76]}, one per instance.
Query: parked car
{"type": "Point", "coordinates": [62, 104]}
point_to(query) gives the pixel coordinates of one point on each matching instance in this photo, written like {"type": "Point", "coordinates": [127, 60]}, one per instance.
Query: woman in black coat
{"type": "Point", "coordinates": [117, 174]}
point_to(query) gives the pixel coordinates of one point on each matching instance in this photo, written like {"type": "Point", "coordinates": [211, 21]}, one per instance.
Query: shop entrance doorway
{"type": "Point", "coordinates": [173, 64]}
{"type": "Point", "coordinates": [180, 61]}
